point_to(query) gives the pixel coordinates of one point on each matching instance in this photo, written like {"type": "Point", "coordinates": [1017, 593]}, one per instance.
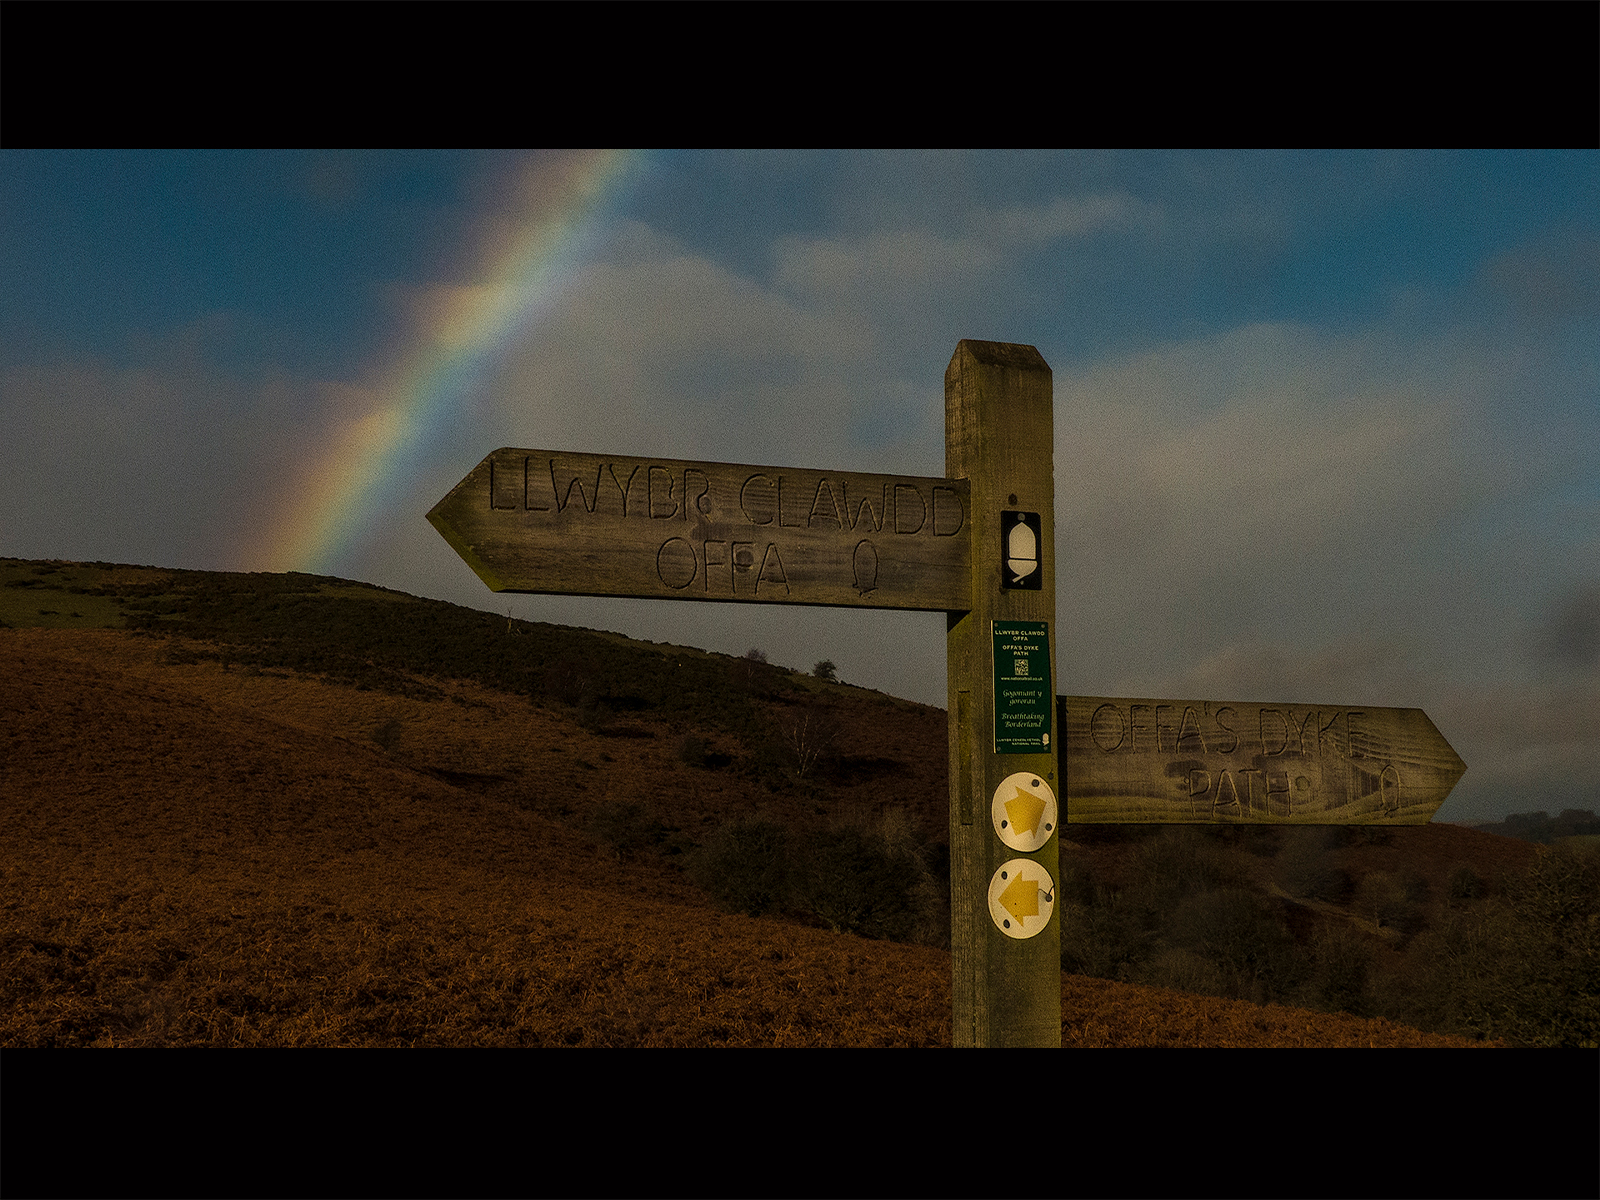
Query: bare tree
{"type": "Point", "coordinates": [807, 736]}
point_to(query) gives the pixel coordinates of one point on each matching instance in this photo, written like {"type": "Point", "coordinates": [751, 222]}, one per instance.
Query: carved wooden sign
{"type": "Point", "coordinates": [1205, 762]}
{"type": "Point", "coordinates": [978, 546]}
{"type": "Point", "coordinates": [661, 529]}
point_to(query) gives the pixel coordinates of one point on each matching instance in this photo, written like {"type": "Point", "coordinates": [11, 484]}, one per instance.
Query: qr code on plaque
{"type": "Point", "coordinates": [1022, 665]}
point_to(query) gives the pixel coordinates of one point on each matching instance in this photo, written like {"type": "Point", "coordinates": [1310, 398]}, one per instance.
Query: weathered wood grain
{"type": "Point", "coordinates": [1219, 762]}
{"type": "Point", "coordinates": [999, 434]}
{"type": "Point", "coordinates": [606, 525]}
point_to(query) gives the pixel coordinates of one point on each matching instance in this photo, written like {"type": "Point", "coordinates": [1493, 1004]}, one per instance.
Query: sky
{"type": "Point", "coordinates": [1327, 424]}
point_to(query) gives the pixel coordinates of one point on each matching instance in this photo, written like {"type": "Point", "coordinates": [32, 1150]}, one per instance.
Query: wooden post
{"type": "Point", "coordinates": [1004, 753]}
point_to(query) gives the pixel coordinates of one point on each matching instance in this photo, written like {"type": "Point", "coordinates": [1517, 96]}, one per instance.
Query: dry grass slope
{"type": "Point", "coordinates": [196, 853]}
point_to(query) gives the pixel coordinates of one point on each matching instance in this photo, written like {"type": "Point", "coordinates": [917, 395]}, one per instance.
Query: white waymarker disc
{"type": "Point", "coordinates": [1021, 898]}
{"type": "Point", "coordinates": [1024, 811]}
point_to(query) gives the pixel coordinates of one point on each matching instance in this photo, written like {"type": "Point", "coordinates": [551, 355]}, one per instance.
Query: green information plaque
{"type": "Point", "coordinates": [1021, 687]}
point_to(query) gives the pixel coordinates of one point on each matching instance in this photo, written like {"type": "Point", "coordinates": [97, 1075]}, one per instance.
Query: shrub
{"type": "Point", "coordinates": [569, 681]}
{"type": "Point", "coordinates": [387, 735]}
{"type": "Point", "coordinates": [1244, 936]}
{"type": "Point", "coordinates": [1106, 939]}
{"type": "Point", "coordinates": [873, 882]}
{"type": "Point", "coordinates": [626, 827]}
{"type": "Point", "coordinates": [825, 670]}
{"type": "Point", "coordinates": [1305, 864]}
{"type": "Point", "coordinates": [806, 737]}
{"type": "Point", "coordinates": [594, 717]}
{"type": "Point", "coordinates": [1181, 861]}
{"type": "Point", "coordinates": [1185, 971]}
{"type": "Point", "coordinates": [744, 865]}
{"type": "Point", "coordinates": [753, 674]}
{"type": "Point", "coordinates": [1340, 966]}
{"type": "Point", "coordinates": [1122, 933]}
{"type": "Point", "coordinates": [1465, 884]}
{"type": "Point", "coordinates": [692, 750]}
{"type": "Point", "coordinates": [1392, 901]}
{"type": "Point", "coordinates": [1076, 885]}
{"type": "Point", "coordinates": [1525, 968]}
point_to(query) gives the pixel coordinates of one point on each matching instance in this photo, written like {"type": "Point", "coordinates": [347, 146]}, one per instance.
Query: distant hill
{"type": "Point", "coordinates": [289, 809]}
{"type": "Point", "coordinates": [1541, 827]}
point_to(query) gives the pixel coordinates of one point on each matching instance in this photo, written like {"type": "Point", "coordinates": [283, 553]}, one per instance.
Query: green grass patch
{"type": "Point", "coordinates": [41, 595]}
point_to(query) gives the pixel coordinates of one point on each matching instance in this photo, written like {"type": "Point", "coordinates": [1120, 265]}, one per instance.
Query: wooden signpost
{"type": "Point", "coordinates": [1204, 762]}
{"type": "Point", "coordinates": [999, 435]}
{"type": "Point", "coordinates": [977, 545]}
{"type": "Point", "coordinates": [660, 529]}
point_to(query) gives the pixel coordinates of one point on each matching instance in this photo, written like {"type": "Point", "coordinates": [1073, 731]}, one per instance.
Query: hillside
{"type": "Point", "coordinates": [288, 810]}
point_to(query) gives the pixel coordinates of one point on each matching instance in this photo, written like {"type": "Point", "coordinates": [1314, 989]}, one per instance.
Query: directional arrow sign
{"type": "Point", "coordinates": [1204, 762]}
{"type": "Point", "coordinates": [604, 525]}
{"type": "Point", "coordinates": [1024, 811]}
{"type": "Point", "coordinates": [1021, 898]}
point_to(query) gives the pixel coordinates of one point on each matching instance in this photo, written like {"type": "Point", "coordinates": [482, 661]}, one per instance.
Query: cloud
{"type": "Point", "coordinates": [911, 260]}
{"type": "Point", "coordinates": [1570, 637]}
{"type": "Point", "coordinates": [1363, 669]}
{"type": "Point", "coordinates": [1277, 512]}
{"type": "Point", "coordinates": [659, 351]}
{"type": "Point", "coordinates": [1550, 282]}
{"type": "Point", "coordinates": [852, 269]}
{"type": "Point", "coordinates": [445, 314]}
{"type": "Point", "coordinates": [1527, 747]}
{"type": "Point", "coordinates": [1021, 227]}
{"type": "Point", "coordinates": [176, 465]}
{"type": "Point", "coordinates": [1268, 480]}
{"type": "Point", "coordinates": [1263, 510]}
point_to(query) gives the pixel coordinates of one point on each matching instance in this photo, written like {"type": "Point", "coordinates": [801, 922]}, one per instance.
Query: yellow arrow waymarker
{"type": "Point", "coordinates": [1021, 898]}
{"type": "Point", "coordinates": [1024, 811]}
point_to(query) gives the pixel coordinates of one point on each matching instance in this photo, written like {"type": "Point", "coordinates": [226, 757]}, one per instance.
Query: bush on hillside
{"type": "Point", "coordinates": [692, 750]}
{"type": "Point", "coordinates": [378, 640]}
{"type": "Point", "coordinates": [1305, 866]}
{"type": "Point", "coordinates": [1542, 827]}
{"type": "Point", "coordinates": [1106, 938]}
{"type": "Point", "coordinates": [1182, 861]}
{"type": "Point", "coordinates": [865, 879]}
{"type": "Point", "coordinates": [1391, 901]}
{"type": "Point", "coordinates": [1341, 963]}
{"type": "Point", "coordinates": [805, 739]}
{"type": "Point", "coordinates": [744, 865]}
{"type": "Point", "coordinates": [1184, 915]}
{"type": "Point", "coordinates": [1524, 967]}
{"type": "Point", "coordinates": [626, 827]}
{"type": "Point", "coordinates": [1466, 885]}
{"type": "Point", "coordinates": [1243, 936]}
{"type": "Point", "coordinates": [388, 734]}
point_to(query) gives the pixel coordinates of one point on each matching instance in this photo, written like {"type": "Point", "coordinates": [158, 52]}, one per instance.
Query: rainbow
{"type": "Point", "coordinates": [519, 274]}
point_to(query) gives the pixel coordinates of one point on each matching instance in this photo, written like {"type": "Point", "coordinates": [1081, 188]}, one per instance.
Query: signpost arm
{"type": "Point", "coordinates": [999, 435]}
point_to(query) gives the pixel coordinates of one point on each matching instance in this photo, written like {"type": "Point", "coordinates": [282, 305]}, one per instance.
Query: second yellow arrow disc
{"type": "Point", "coordinates": [1021, 898]}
